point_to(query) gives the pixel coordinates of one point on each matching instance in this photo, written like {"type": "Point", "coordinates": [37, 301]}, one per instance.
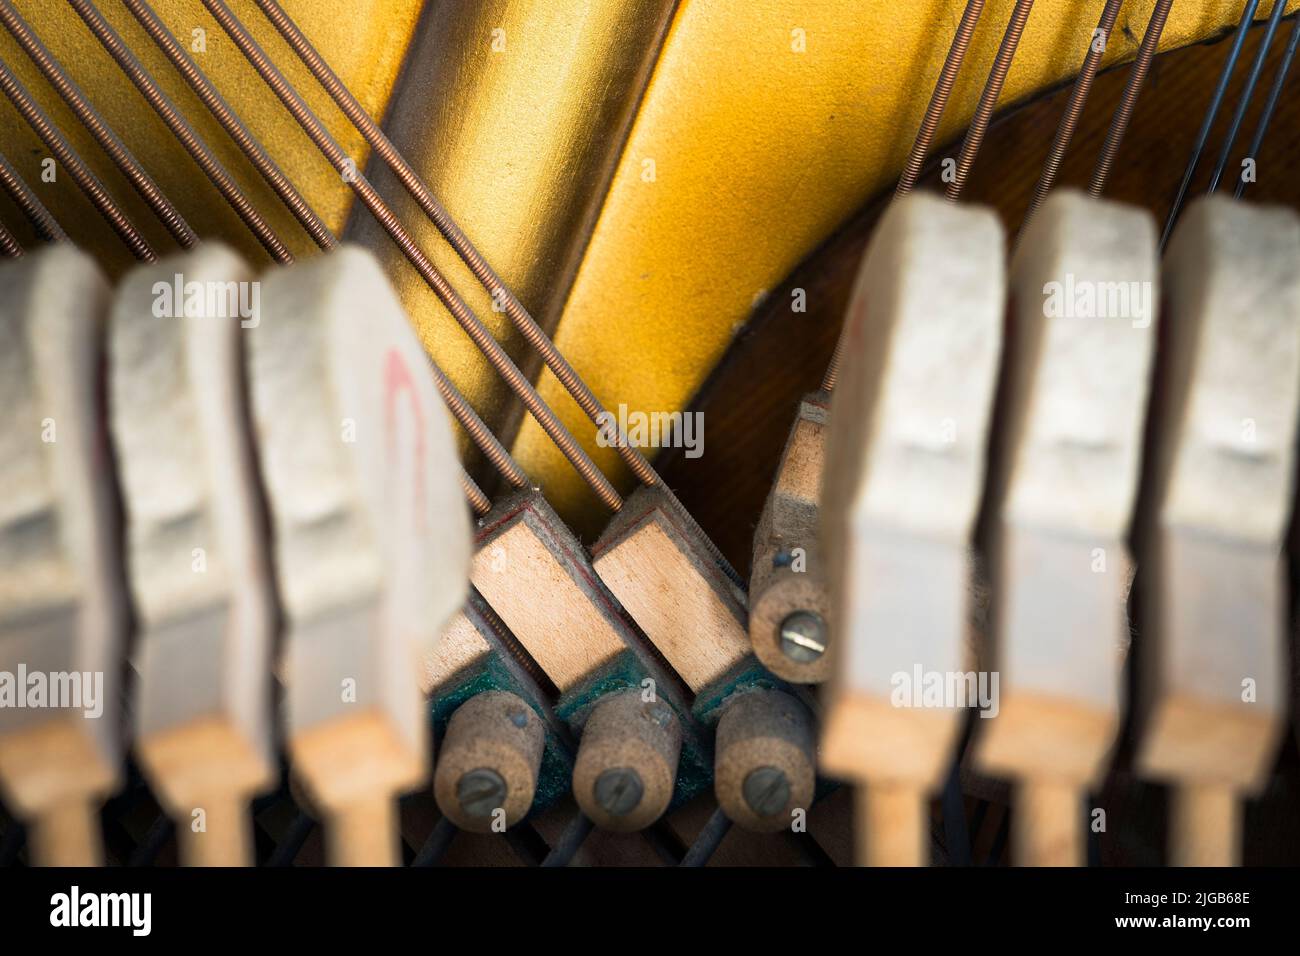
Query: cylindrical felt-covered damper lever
{"type": "Point", "coordinates": [789, 600]}
{"type": "Point", "coordinates": [627, 761]}
{"type": "Point", "coordinates": [788, 625]}
{"type": "Point", "coordinates": [487, 770]}
{"type": "Point", "coordinates": [764, 767]}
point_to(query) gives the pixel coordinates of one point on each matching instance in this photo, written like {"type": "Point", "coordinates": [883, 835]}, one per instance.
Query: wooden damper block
{"type": "Point", "coordinates": [503, 753]}
{"type": "Point", "coordinates": [655, 563]}
{"type": "Point", "coordinates": [631, 712]}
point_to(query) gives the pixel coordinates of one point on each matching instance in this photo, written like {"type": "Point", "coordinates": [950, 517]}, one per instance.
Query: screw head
{"type": "Point", "coordinates": [480, 792]}
{"type": "Point", "coordinates": [766, 790]}
{"type": "Point", "coordinates": [803, 636]}
{"type": "Point", "coordinates": [619, 791]}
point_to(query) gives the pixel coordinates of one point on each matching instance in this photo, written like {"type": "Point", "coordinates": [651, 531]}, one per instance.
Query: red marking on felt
{"type": "Point", "coordinates": [397, 378]}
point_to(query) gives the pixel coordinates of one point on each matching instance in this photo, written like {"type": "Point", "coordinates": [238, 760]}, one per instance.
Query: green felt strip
{"type": "Point", "coordinates": [746, 676]}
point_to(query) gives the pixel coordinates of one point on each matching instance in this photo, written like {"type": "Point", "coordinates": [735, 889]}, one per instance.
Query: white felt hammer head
{"type": "Point", "coordinates": [62, 601]}
{"type": "Point", "coordinates": [372, 533]}
{"type": "Point", "coordinates": [908, 427]}
{"type": "Point", "coordinates": [351, 420]}
{"type": "Point", "coordinates": [197, 552]}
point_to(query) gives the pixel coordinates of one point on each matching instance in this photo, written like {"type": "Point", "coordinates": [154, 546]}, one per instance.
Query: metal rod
{"type": "Point", "coordinates": [474, 494]}
{"type": "Point", "coordinates": [575, 834]}
{"type": "Point", "coordinates": [468, 321]}
{"type": "Point", "coordinates": [9, 246]}
{"type": "Point", "coordinates": [42, 222]}
{"type": "Point", "coordinates": [444, 831]}
{"type": "Point", "coordinates": [1274, 95]}
{"type": "Point", "coordinates": [989, 98]}
{"type": "Point", "coordinates": [86, 180]}
{"type": "Point", "coordinates": [291, 844]}
{"type": "Point", "coordinates": [1216, 101]}
{"type": "Point", "coordinates": [108, 140]}
{"type": "Point", "coordinates": [1074, 107]}
{"type": "Point", "coordinates": [708, 840]}
{"type": "Point", "coordinates": [316, 228]}
{"type": "Point", "coordinates": [833, 368]}
{"type": "Point", "coordinates": [1247, 93]}
{"type": "Point", "coordinates": [924, 138]}
{"type": "Point", "coordinates": [194, 145]}
{"type": "Point", "coordinates": [477, 429]}
{"type": "Point", "coordinates": [438, 215]}
{"type": "Point", "coordinates": [938, 102]}
{"type": "Point", "coordinates": [523, 321]}
{"type": "Point", "coordinates": [232, 124]}
{"type": "Point", "coordinates": [1137, 76]}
